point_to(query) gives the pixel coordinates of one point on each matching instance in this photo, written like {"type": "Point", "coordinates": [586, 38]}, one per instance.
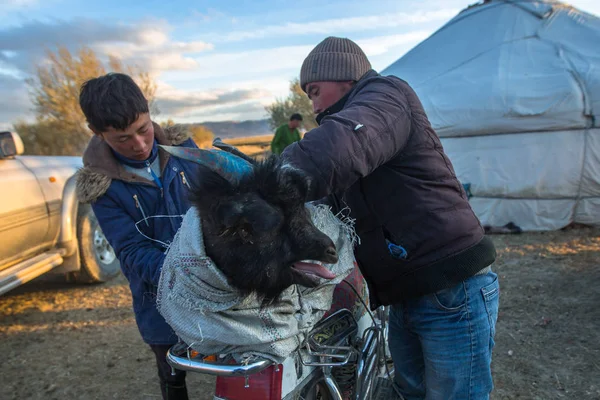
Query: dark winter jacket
{"type": "Point", "coordinates": [139, 219]}
{"type": "Point", "coordinates": [376, 153]}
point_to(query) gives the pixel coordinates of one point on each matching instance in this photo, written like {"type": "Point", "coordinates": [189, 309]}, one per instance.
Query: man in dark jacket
{"type": "Point", "coordinates": [422, 249]}
{"type": "Point", "coordinates": [139, 195]}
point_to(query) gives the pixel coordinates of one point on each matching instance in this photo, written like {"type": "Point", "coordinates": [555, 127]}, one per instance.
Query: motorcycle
{"type": "Point", "coordinates": [345, 356]}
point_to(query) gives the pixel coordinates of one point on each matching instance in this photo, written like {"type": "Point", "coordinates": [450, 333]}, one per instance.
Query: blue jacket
{"type": "Point", "coordinates": [139, 219]}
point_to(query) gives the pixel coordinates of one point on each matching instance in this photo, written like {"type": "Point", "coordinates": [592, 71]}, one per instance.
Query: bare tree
{"type": "Point", "coordinates": [61, 127]}
{"type": "Point", "coordinates": [296, 102]}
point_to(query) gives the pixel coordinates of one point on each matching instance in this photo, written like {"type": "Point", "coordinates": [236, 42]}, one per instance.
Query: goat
{"type": "Point", "coordinates": [255, 225]}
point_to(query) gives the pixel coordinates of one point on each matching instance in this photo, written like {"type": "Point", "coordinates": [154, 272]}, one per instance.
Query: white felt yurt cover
{"type": "Point", "coordinates": [513, 90]}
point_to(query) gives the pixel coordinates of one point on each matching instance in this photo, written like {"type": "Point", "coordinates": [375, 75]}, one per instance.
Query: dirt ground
{"type": "Point", "coordinates": [60, 341]}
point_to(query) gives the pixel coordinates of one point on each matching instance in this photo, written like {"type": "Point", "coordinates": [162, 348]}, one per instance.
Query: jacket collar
{"type": "Point", "coordinates": [135, 163]}
{"type": "Point", "coordinates": [98, 157]}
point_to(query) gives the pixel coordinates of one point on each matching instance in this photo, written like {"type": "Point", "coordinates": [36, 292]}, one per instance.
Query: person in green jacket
{"type": "Point", "coordinates": [286, 134]}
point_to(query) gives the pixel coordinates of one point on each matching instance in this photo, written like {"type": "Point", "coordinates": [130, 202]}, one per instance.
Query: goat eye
{"type": "Point", "coordinates": [245, 232]}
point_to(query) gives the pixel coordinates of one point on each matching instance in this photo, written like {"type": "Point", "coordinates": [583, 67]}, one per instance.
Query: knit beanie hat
{"type": "Point", "coordinates": [334, 59]}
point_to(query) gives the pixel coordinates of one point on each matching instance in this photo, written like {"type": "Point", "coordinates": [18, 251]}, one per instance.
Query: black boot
{"type": "Point", "coordinates": [173, 392]}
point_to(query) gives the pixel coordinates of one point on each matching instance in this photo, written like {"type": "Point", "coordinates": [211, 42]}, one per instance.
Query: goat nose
{"type": "Point", "coordinates": [332, 252]}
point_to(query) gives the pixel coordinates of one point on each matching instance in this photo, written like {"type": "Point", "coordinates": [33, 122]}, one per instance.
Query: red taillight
{"type": "Point", "coordinates": [265, 385]}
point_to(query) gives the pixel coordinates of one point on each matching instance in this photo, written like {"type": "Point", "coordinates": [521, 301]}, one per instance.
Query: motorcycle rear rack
{"type": "Point", "coordinates": [324, 341]}
{"type": "Point", "coordinates": [182, 359]}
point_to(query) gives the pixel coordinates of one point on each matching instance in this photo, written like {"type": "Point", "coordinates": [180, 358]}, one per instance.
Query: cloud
{"type": "Point", "coordinates": [248, 110]}
{"type": "Point", "coordinates": [382, 44]}
{"type": "Point", "coordinates": [226, 69]}
{"type": "Point", "coordinates": [282, 61]}
{"type": "Point", "coordinates": [18, 3]}
{"type": "Point", "coordinates": [330, 26]}
{"type": "Point", "coordinates": [253, 61]}
{"type": "Point", "coordinates": [147, 44]}
{"type": "Point", "coordinates": [36, 34]}
{"type": "Point", "coordinates": [176, 102]}
{"type": "Point", "coordinates": [237, 81]}
{"type": "Point", "coordinates": [211, 14]}
{"type": "Point", "coordinates": [589, 6]}
{"type": "Point", "coordinates": [157, 56]}
{"type": "Point", "coordinates": [266, 76]}
{"type": "Point", "coordinates": [8, 6]}
{"type": "Point", "coordinates": [15, 103]}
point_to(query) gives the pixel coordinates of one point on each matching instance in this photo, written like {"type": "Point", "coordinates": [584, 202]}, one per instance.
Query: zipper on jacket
{"type": "Point", "coordinates": [155, 178]}
{"type": "Point", "coordinates": [139, 205]}
{"type": "Point", "coordinates": [185, 182]}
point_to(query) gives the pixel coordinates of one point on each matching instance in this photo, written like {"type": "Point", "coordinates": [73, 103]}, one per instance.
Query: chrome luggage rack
{"type": "Point", "coordinates": [331, 343]}
{"type": "Point", "coordinates": [323, 341]}
{"type": "Point", "coordinates": [181, 357]}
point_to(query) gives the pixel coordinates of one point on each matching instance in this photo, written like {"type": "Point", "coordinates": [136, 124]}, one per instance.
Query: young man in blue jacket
{"type": "Point", "coordinates": [138, 193]}
{"type": "Point", "coordinates": [422, 249]}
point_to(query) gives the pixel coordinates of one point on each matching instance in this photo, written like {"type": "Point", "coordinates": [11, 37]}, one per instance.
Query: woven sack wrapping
{"type": "Point", "coordinates": [210, 316]}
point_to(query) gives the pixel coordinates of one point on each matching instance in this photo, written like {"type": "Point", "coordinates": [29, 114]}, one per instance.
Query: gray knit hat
{"type": "Point", "coordinates": [334, 59]}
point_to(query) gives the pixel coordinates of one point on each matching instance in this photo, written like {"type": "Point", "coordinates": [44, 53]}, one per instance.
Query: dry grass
{"type": "Point", "coordinates": [254, 146]}
{"type": "Point", "coordinates": [250, 140]}
{"type": "Point", "coordinates": [548, 326]}
{"type": "Point", "coordinates": [61, 341]}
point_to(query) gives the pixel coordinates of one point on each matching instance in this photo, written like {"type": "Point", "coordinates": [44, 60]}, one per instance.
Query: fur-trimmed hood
{"type": "Point", "coordinates": [100, 166]}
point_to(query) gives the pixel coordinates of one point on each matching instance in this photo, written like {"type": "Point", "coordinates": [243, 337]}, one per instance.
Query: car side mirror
{"type": "Point", "coordinates": [10, 144]}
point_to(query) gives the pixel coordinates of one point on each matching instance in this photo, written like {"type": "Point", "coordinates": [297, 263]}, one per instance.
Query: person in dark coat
{"type": "Point", "coordinates": [139, 195]}
{"type": "Point", "coordinates": [422, 249]}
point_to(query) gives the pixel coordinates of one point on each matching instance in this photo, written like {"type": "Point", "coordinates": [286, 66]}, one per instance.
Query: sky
{"type": "Point", "coordinates": [211, 60]}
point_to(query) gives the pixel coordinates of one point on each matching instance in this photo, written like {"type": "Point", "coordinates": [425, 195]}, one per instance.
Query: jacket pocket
{"type": "Point", "coordinates": [395, 247]}
{"type": "Point", "coordinates": [374, 255]}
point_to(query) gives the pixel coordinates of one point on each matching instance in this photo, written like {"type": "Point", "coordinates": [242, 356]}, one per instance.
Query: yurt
{"type": "Point", "coordinates": [513, 90]}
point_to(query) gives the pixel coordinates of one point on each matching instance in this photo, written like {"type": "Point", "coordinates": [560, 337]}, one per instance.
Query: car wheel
{"type": "Point", "coordinates": [98, 260]}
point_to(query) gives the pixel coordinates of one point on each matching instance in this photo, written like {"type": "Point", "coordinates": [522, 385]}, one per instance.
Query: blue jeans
{"type": "Point", "coordinates": [442, 343]}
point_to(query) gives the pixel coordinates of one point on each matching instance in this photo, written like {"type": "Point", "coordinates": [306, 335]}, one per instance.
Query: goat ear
{"type": "Point", "coordinates": [208, 186]}
{"type": "Point", "coordinates": [293, 184]}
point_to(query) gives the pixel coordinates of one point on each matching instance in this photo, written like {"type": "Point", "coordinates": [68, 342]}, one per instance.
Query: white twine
{"type": "Point", "coordinates": [165, 245]}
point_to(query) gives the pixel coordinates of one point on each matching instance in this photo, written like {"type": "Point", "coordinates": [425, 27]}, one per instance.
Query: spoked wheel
{"type": "Point", "coordinates": [318, 391]}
